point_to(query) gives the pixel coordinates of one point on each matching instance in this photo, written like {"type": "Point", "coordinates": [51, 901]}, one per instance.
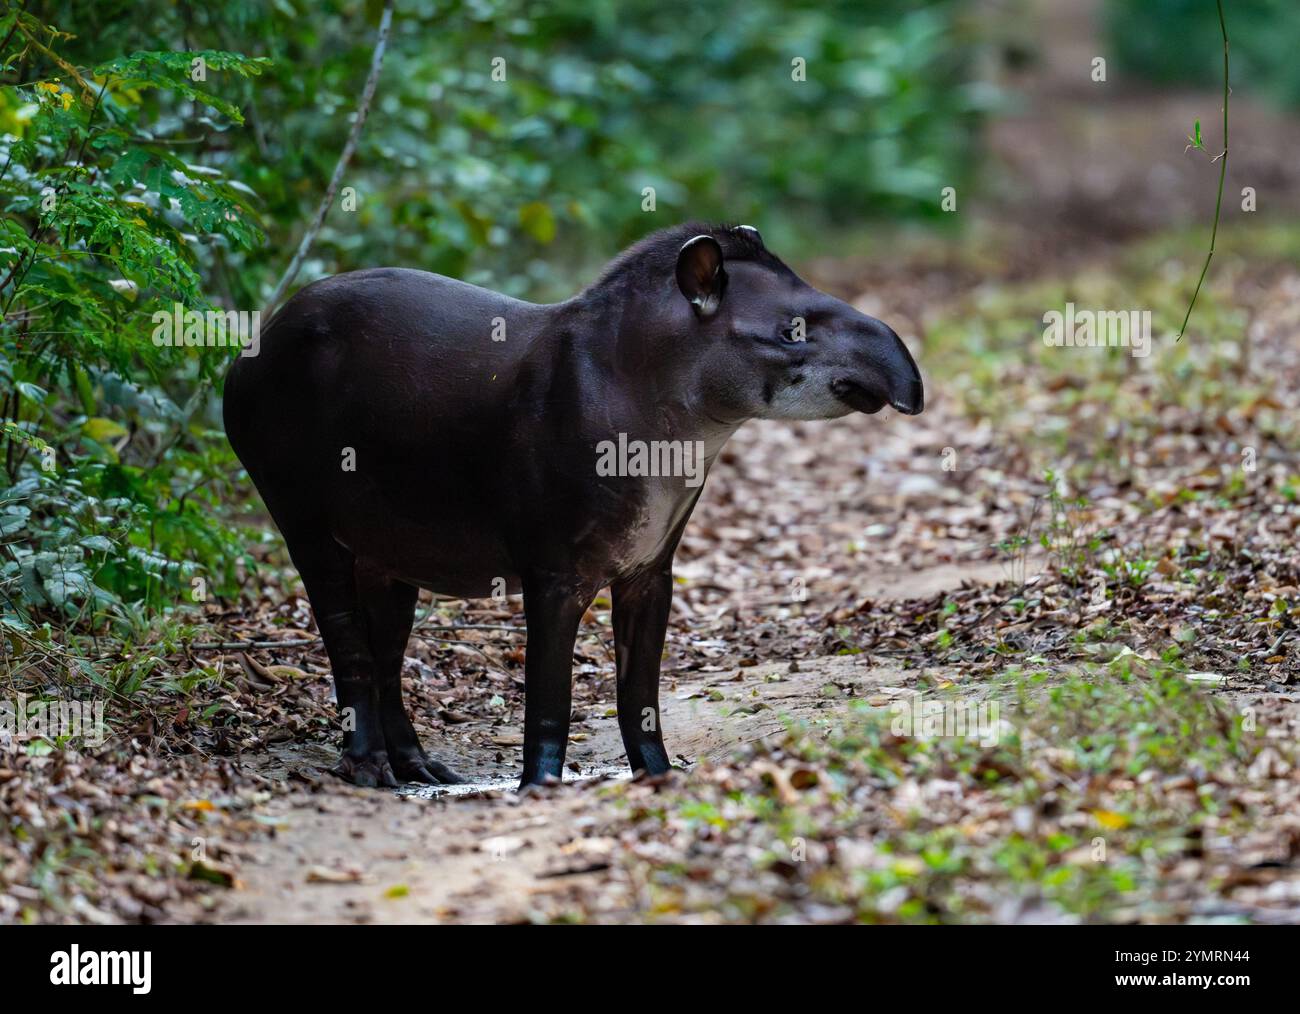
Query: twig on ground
{"type": "Point", "coordinates": [245, 645]}
{"type": "Point", "coordinates": [303, 642]}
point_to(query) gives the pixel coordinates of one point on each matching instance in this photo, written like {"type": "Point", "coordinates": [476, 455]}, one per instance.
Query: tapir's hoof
{"type": "Point", "coordinates": [421, 768]}
{"type": "Point", "coordinates": [369, 770]}
{"type": "Point", "coordinates": [539, 785]}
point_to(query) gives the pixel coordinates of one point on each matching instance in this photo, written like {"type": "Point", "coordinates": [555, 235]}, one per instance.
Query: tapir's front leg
{"type": "Point", "coordinates": [640, 622]}
{"type": "Point", "coordinates": [553, 607]}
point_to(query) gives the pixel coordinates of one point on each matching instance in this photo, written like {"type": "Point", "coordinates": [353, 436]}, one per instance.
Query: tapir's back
{"type": "Point", "coordinates": [413, 327]}
{"type": "Point", "coordinates": [390, 346]}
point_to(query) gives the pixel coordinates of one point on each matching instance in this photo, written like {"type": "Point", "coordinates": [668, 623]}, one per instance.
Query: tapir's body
{"type": "Point", "coordinates": [407, 430]}
{"type": "Point", "coordinates": [473, 458]}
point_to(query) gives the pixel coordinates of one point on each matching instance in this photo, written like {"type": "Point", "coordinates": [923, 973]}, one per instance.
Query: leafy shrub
{"type": "Point", "coordinates": [100, 478]}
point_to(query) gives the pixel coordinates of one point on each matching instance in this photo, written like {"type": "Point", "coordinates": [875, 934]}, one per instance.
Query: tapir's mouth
{"type": "Point", "coordinates": [862, 397]}
{"type": "Point", "coordinates": [858, 397]}
{"type": "Point", "coordinates": [868, 398]}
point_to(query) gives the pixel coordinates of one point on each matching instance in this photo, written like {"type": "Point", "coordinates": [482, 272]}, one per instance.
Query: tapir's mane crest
{"type": "Point", "coordinates": [656, 254]}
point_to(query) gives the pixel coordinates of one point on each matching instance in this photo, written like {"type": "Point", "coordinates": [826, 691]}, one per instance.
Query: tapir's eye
{"type": "Point", "coordinates": [794, 331]}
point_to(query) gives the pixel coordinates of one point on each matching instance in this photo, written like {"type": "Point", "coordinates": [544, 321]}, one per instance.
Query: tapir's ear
{"type": "Point", "coordinates": [700, 275]}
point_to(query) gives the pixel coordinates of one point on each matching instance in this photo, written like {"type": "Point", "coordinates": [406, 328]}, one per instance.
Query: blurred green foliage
{"type": "Point", "coordinates": [131, 181]}
{"type": "Point", "coordinates": [480, 178]}
{"type": "Point", "coordinates": [1178, 42]}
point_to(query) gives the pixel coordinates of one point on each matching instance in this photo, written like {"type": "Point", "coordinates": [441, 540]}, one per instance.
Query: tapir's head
{"type": "Point", "coordinates": [771, 346]}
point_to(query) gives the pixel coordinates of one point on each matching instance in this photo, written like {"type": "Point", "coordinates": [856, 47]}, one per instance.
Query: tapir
{"type": "Point", "coordinates": [409, 431]}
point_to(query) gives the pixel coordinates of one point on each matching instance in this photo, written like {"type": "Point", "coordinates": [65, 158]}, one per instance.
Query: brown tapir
{"type": "Point", "coordinates": [411, 431]}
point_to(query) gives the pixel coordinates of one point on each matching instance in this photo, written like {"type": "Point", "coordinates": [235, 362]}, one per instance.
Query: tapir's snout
{"type": "Point", "coordinates": [885, 372]}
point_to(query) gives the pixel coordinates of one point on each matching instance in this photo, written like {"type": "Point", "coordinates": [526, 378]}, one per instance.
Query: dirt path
{"type": "Point", "coordinates": [483, 853]}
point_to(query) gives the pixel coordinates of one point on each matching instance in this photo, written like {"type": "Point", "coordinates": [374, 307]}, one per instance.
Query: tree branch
{"type": "Point", "coordinates": [309, 237]}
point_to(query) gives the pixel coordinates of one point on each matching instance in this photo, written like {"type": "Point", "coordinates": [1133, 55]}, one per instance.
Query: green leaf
{"type": "Point", "coordinates": [34, 392]}
{"type": "Point", "coordinates": [173, 71]}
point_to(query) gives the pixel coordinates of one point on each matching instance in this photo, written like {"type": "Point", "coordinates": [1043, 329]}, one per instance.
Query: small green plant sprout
{"type": "Point", "coordinates": [1223, 170]}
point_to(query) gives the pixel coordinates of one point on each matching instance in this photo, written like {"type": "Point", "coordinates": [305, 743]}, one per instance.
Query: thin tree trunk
{"type": "Point", "coordinates": [309, 237]}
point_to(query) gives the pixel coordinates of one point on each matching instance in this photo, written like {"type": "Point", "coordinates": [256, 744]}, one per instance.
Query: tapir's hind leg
{"type": "Point", "coordinates": [365, 620]}
{"type": "Point", "coordinates": [327, 571]}
{"type": "Point", "coordinates": [389, 609]}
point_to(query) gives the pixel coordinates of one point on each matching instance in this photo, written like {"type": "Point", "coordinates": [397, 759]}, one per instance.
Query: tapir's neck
{"type": "Point", "coordinates": [625, 333]}
{"type": "Point", "coordinates": [641, 332]}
